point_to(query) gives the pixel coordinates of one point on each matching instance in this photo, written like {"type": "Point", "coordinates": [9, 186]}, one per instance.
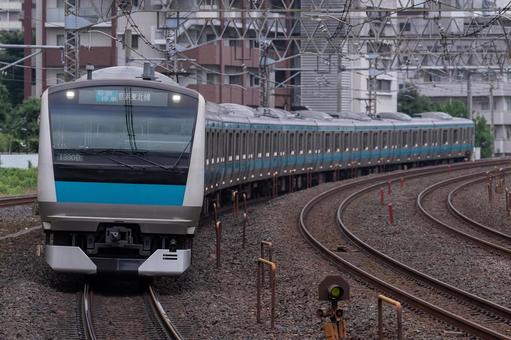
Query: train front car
{"type": "Point", "coordinates": [121, 173]}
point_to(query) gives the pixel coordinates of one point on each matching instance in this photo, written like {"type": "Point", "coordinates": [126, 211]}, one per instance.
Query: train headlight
{"type": "Point", "coordinates": [176, 98]}
{"type": "Point", "coordinates": [70, 94]}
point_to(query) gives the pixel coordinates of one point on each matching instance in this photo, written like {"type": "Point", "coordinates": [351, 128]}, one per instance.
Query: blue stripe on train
{"type": "Point", "coordinates": [119, 193]}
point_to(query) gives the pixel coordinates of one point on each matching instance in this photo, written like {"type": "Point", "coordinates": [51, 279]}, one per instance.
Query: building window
{"type": "Point", "coordinates": [404, 27]}
{"type": "Point", "coordinates": [212, 78]}
{"type": "Point", "coordinates": [235, 43]}
{"type": "Point", "coordinates": [382, 85]}
{"type": "Point", "coordinates": [61, 40]}
{"type": "Point", "coordinates": [236, 79]}
{"type": "Point", "coordinates": [254, 44]}
{"type": "Point", "coordinates": [134, 41]}
{"type": "Point", "coordinates": [254, 80]}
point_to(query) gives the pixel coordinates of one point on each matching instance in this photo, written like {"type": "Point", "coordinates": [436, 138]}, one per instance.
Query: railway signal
{"type": "Point", "coordinates": [333, 289]}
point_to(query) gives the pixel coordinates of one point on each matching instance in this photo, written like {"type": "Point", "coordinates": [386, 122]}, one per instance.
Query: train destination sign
{"type": "Point", "coordinates": [121, 96]}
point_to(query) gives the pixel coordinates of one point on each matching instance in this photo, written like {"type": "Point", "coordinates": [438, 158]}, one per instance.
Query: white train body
{"type": "Point", "coordinates": [121, 173]}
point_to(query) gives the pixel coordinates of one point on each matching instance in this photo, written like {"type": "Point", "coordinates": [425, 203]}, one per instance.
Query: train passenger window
{"type": "Point", "coordinates": [300, 143]}
{"type": "Point", "coordinates": [237, 145]}
{"type": "Point", "coordinates": [243, 145]}
{"type": "Point", "coordinates": [365, 141]}
{"type": "Point", "coordinates": [291, 148]}
{"type": "Point", "coordinates": [317, 144]}
{"type": "Point", "coordinates": [444, 136]}
{"type": "Point", "coordinates": [328, 138]}
{"type": "Point", "coordinates": [267, 146]}
{"type": "Point", "coordinates": [309, 143]}
{"type": "Point", "coordinates": [275, 144]}
{"type": "Point", "coordinates": [415, 140]}
{"type": "Point", "coordinates": [455, 136]}
{"type": "Point", "coordinates": [337, 142]}
{"type": "Point", "coordinates": [425, 137]}
{"type": "Point", "coordinates": [384, 141]}
{"type": "Point", "coordinates": [375, 141]}
{"type": "Point", "coordinates": [229, 146]}
{"type": "Point", "coordinates": [404, 140]}
{"type": "Point", "coordinates": [259, 145]}
{"type": "Point", "coordinates": [283, 140]}
{"type": "Point", "coordinates": [346, 142]}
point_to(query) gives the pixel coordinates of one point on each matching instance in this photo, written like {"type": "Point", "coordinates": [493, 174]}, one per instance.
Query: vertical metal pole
{"type": "Point", "coordinates": [380, 319]}
{"type": "Point", "coordinates": [72, 44]}
{"type": "Point", "coordinates": [273, 288]}
{"type": "Point", "coordinates": [339, 82]}
{"type": "Point", "coordinates": [258, 285]}
{"type": "Point", "coordinates": [469, 96]}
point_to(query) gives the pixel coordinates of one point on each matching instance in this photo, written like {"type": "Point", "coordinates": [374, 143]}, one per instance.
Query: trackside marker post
{"type": "Point", "coordinates": [391, 213]}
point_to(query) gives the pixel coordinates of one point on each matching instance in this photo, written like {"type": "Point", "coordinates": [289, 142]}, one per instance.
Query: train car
{"type": "Point", "coordinates": [121, 173]}
{"type": "Point", "coordinates": [127, 160]}
{"type": "Point", "coordinates": [246, 146]}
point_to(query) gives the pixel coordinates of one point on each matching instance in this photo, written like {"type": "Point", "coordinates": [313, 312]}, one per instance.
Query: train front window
{"type": "Point", "coordinates": [128, 120]}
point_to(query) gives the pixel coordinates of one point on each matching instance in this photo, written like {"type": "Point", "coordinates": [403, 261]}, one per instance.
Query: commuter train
{"type": "Point", "coordinates": [127, 160]}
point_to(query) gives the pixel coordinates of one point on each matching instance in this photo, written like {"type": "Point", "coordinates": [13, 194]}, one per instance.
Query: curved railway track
{"type": "Point", "coordinates": [141, 316]}
{"type": "Point", "coordinates": [460, 309]}
{"type": "Point", "coordinates": [9, 201]}
{"type": "Point", "coordinates": [453, 221]}
{"type": "Point", "coordinates": [465, 218]}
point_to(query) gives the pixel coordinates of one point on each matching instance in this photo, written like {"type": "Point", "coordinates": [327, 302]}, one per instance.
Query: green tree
{"type": "Point", "coordinates": [12, 78]}
{"type": "Point", "coordinates": [484, 137]}
{"type": "Point", "coordinates": [21, 126]}
{"type": "Point", "coordinates": [455, 108]}
{"type": "Point", "coordinates": [5, 104]}
{"type": "Point", "coordinates": [410, 101]}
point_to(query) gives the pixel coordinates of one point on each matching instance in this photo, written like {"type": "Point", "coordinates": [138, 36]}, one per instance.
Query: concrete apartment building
{"type": "Point", "coordinates": [489, 87]}
{"type": "Point", "coordinates": [10, 15]}
{"type": "Point", "coordinates": [119, 42]}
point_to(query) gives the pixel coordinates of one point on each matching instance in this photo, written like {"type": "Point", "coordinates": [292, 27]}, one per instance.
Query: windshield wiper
{"type": "Point", "coordinates": [182, 153]}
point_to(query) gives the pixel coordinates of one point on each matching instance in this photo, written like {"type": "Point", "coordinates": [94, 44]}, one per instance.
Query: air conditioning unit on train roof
{"type": "Point", "coordinates": [435, 115]}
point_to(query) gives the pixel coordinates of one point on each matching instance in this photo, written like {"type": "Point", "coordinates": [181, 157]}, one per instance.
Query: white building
{"type": "Point", "coordinates": [10, 14]}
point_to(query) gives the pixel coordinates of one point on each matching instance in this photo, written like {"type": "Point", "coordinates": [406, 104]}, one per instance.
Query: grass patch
{"type": "Point", "coordinates": [17, 181]}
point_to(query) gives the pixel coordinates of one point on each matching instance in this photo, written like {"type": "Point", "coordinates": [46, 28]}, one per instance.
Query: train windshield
{"type": "Point", "coordinates": [146, 122]}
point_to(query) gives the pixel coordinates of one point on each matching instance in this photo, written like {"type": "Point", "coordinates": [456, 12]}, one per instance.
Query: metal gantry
{"type": "Point", "coordinates": [72, 40]}
{"type": "Point", "coordinates": [406, 34]}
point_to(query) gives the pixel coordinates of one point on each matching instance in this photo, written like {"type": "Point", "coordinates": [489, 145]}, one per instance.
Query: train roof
{"type": "Point", "coordinates": [127, 72]}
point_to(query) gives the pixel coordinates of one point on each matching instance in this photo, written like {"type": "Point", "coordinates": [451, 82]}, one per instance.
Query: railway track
{"type": "Point", "coordinates": [10, 201]}
{"type": "Point", "coordinates": [435, 197]}
{"type": "Point", "coordinates": [462, 310]}
{"type": "Point", "coordinates": [464, 217]}
{"type": "Point", "coordinates": [117, 315]}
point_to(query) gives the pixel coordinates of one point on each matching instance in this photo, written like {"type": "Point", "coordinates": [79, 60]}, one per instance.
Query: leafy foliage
{"type": "Point", "coordinates": [484, 137]}
{"type": "Point", "coordinates": [19, 127]}
{"type": "Point", "coordinates": [17, 181]}
{"type": "Point", "coordinates": [12, 78]}
{"type": "Point", "coordinates": [410, 101]}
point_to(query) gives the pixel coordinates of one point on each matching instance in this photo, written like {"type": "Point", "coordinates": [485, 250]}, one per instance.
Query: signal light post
{"type": "Point", "coordinates": [333, 289]}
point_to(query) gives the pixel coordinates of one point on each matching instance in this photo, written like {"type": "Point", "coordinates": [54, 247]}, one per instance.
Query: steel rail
{"type": "Point", "coordinates": [424, 212]}
{"type": "Point", "coordinates": [9, 201]}
{"type": "Point", "coordinates": [162, 316]}
{"type": "Point", "coordinates": [88, 327]}
{"type": "Point", "coordinates": [467, 219]}
{"type": "Point", "coordinates": [450, 317]}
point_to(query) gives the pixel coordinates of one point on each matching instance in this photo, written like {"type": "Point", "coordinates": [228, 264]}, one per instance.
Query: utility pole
{"type": "Point", "coordinates": [469, 95]}
{"type": "Point", "coordinates": [72, 44]}
{"type": "Point", "coordinates": [372, 72]}
{"type": "Point", "coordinates": [492, 113]}
{"type": "Point", "coordinates": [171, 26]}
{"type": "Point", "coordinates": [340, 69]}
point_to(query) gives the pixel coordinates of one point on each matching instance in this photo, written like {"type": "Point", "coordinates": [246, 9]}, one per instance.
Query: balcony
{"type": "Point", "coordinates": [97, 56]}
{"type": "Point", "coordinates": [10, 25]}
{"type": "Point", "coordinates": [231, 56]}
{"type": "Point", "coordinates": [55, 16]}
{"type": "Point", "coordinates": [10, 6]}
